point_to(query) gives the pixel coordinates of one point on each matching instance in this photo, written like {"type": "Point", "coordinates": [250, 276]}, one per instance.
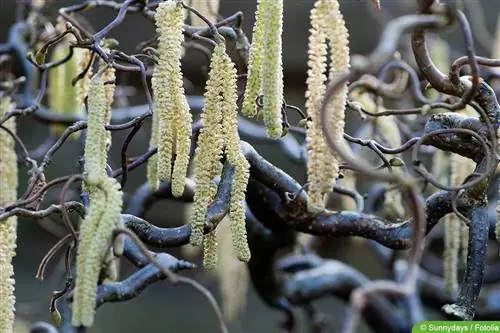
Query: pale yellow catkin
{"type": "Point", "coordinates": [219, 134]}
{"type": "Point", "coordinates": [327, 26]}
{"type": "Point", "coordinates": [210, 255]}
{"type": "Point", "coordinates": [265, 67]}
{"type": "Point", "coordinates": [272, 67]}
{"type": "Point", "coordinates": [103, 217]}
{"type": "Point", "coordinates": [254, 74]}
{"type": "Point", "coordinates": [97, 140]}
{"type": "Point", "coordinates": [105, 194]}
{"type": "Point", "coordinates": [316, 80]}
{"type": "Point", "coordinates": [210, 143]}
{"type": "Point", "coordinates": [237, 159]}
{"type": "Point", "coordinates": [173, 120]}
{"type": "Point", "coordinates": [8, 227]}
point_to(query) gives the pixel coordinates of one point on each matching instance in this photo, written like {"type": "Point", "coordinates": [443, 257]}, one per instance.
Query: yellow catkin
{"type": "Point", "coordinates": [338, 37]}
{"type": "Point", "coordinates": [254, 75]}
{"type": "Point", "coordinates": [209, 147]}
{"type": "Point", "coordinates": [316, 80]}
{"type": "Point", "coordinates": [327, 26]}
{"type": "Point", "coordinates": [173, 118]}
{"type": "Point", "coordinates": [208, 8]}
{"type": "Point", "coordinates": [108, 79]}
{"type": "Point", "coordinates": [95, 145]}
{"type": "Point", "coordinates": [81, 303]}
{"type": "Point", "coordinates": [219, 133]}
{"type": "Point", "coordinates": [232, 274]}
{"type": "Point", "coordinates": [8, 227]}
{"type": "Point", "coordinates": [103, 217]}
{"type": "Point", "coordinates": [105, 198]}
{"type": "Point", "coordinates": [272, 69]}
{"type": "Point", "coordinates": [210, 255]}
{"type": "Point", "coordinates": [265, 68]}
{"type": "Point", "coordinates": [237, 159]}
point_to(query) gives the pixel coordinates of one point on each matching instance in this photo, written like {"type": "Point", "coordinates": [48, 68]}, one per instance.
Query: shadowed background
{"type": "Point", "coordinates": [179, 309]}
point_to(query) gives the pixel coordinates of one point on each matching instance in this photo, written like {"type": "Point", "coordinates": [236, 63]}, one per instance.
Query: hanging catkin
{"type": "Point", "coordinates": [265, 68]}
{"type": "Point", "coordinates": [327, 26]}
{"type": "Point", "coordinates": [220, 135]}
{"type": "Point", "coordinates": [172, 120]}
{"type": "Point", "coordinates": [106, 199]}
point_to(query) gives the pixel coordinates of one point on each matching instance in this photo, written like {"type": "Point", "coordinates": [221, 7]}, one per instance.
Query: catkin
{"type": "Point", "coordinates": [95, 234]}
{"type": "Point", "coordinates": [254, 75]}
{"type": "Point", "coordinates": [236, 158]}
{"type": "Point", "coordinates": [265, 68]}
{"type": "Point", "coordinates": [272, 68]}
{"type": "Point", "coordinates": [104, 214]}
{"type": "Point", "coordinates": [209, 147]}
{"type": "Point", "coordinates": [218, 135]}
{"type": "Point", "coordinates": [8, 227]}
{"type": "Point", "coordinates": [210, 255]}
{"type": "Point", "coordinates": [172, 123]}
{"type": "Point", "coordinates": [96, 148]}
{"type": "Point", "coordinates": [327, 26]}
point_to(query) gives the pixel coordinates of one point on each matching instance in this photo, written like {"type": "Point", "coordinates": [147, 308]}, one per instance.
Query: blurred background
{"type": "Point", "coordinates": [162, 307]}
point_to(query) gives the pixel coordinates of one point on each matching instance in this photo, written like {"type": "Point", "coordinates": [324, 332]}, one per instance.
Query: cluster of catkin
{"type": "Point", "coordinates": [106, 199]}
{"type": "Point", "coordinates": [327, 27]}
{"type": "Point", "coordinates": [265, 70]}
{"type": "Point", "coordinates": [8, 228]}
{"type": "Point", "coordinates": [219, 136]}
{"type": "Point", "coordinates": [171, 127]}
{"type": "Point", "coordinates": [171, 133]}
